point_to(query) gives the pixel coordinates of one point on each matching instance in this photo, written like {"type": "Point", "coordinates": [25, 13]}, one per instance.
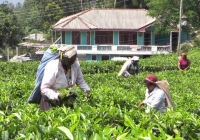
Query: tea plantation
{"type": "Point", "coordinates": [112, 114]}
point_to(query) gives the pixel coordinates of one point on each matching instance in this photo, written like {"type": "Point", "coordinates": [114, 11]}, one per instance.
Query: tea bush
{"type": "Point", "coordinates": [112, 113]}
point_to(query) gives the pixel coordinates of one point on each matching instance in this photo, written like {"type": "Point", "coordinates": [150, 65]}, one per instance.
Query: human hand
{"type": "Point", "coordinates": [141, 104]}
{"type": "Point", "coordinates": [89, 95]}
{"type": "Point", "coordinates": [59, 96]}
{"type": "Point", "coordinates": [127, 75]}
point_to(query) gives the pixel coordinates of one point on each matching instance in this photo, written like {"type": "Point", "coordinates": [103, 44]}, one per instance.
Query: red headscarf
{"type": "Point", "coordinates": [151, 78]}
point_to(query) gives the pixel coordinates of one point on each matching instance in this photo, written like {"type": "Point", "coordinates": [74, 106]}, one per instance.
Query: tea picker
{"type": "Point", "coordinates": [58, 69]}
{"type": "Point", "coordinates": [130, 67]}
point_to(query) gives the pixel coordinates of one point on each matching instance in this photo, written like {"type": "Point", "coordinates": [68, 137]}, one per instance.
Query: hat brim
{"type": "Point", "coordinates": [135, 59]}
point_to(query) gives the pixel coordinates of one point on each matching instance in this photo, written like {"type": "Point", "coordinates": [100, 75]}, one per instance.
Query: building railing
{"type": "Point", "coordinates": [84, 47]}
{"type": "Point", "coordinates": [132, 48]}
{"type": "Point", "coordinates": [104, 48]}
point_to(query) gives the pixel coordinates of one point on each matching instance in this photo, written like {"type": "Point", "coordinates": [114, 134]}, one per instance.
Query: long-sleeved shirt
{"type": "Point", "coordinates": [130, 68]}
{"type": "Point", "coordinates": [155, 99]}
{"type": "Point", "coordinates": [54, 78]}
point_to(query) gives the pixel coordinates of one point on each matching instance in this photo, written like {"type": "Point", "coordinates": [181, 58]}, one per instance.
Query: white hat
{"type": "Point", "coordinates": [135, 58]}
{"type": "Point", "coordinates": [67, 51]}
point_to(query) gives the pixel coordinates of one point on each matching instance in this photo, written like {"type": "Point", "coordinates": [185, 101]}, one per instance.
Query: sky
{"type": "Point", "coordinates": [12, 1]}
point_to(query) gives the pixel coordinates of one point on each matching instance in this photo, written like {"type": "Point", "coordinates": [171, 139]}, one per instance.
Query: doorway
{"type": "Point", "coordinates": [174, 42]}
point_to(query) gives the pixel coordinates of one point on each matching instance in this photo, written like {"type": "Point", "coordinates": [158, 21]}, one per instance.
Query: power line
{"type": "Point", "coordinates": [63, 4]}
{"type": "Point", "coordinates": [74, 8]}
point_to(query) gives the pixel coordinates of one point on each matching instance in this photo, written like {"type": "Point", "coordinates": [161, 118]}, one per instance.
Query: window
{"type": "Point", "coordinates": [147, 38]}
{"type": "Point", "coordinates": [105, 57]}
{"type": "Point", "coordinates": [76, 37]}
{"type": "Point", "coordinates": [103, 37]}
{"type": "Point", "coordinates": [63, 37]}
{"type": "Point", "coordinates": [88, 38]}
{"type": "Point", "coordinates": [94, 57]}
{"type": "Point", "coordinates": [127, 38]}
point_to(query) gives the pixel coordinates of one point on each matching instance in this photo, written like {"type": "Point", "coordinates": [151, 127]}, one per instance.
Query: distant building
{"type": "Point", "coordinates": [35, 53]}
{"type": "Point", "coordinates": [36, 36]}
{"type": "Point", "coordinates": [101, 34]}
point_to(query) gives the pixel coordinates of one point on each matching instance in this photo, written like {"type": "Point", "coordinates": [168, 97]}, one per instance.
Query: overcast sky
{"type": "Point", "coordinates": [12, 1]}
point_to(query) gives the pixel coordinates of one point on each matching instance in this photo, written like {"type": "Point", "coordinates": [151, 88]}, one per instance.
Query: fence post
{"type": "Point", "coordinates": [17, 52]}
{"type": "Point", "coordinates": [8, 53]}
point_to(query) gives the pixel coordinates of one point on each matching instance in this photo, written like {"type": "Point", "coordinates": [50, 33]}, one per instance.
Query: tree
{"type": "Point", "coordinates": [18, 6]}
{"type": "Point", "coordinates": [11, 5]}
{"type": "Point", "coordinates": [9, 31]}
{"type": "Point", "coordinates": [138, 4]}
{"type": "Point", "coordinates": [53, 14]}
{"type": "Point", "coordinates": [166, 13]}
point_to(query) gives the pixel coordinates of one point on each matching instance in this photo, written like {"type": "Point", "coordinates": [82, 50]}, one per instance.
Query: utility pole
{"type": "Point", "coordinates": [115, 4]}
{"type": "Point", "coordinates": [124, 3]}
{"type": "Point", "coordinates": [81, 5]}
{"type": "Point", "coordinates": [180, 27]}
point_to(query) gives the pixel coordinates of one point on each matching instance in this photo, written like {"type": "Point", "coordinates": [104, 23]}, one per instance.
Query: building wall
{"type": "Point", "coordinates": [152, 38]}
{"type": "Point", "coordinates": [99, 57]}
{"type": "Point", "coordinates": [184, 36]}
{"type": "Point", "coordinates": [92, 38]}
{"type": "Point", "coordinates": [152, 30]}
{"type": "Point", "coordinates": [162, 39]}
{"type": "Point", "coordinates": [140, 38]}
{"type": "Point", "coordinates": [84, 38]}
{"type": "Point", "coordinates": [116, 37]}
{"type": "Point", "coordinates": [68, 37]}
{"type": "Point", "coordinates": [88, 57]}
{"type": "Point", "coordinates": [112, 56]}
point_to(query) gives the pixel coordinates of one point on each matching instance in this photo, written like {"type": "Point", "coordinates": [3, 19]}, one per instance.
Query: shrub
{"type": "Point", "coordinates": [186, 46]}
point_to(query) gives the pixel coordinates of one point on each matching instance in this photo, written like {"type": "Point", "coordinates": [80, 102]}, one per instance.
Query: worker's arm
{"type": "Point", "coordinates": [125, 67]}
{"type": "Point", "coordinates": [188, 66]}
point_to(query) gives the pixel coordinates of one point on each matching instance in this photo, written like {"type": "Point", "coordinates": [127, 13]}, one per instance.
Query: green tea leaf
{"type": "Point", "coordinates": [96, 137]}
{"type": "Point", "coordinates": [2, 113]}
{"type": "Point", "coordinates": [64, 92]}
{"type": "Point", "coordinates": [129, 122]}
{"type": "Point", "coordinates": [66, 131]}
{"type": "Point", "coordinates": [122, 136]}
{"type": "Point", "coordinates": [5, 135]}
{"type": "Point", "coordinates": [18, 116]}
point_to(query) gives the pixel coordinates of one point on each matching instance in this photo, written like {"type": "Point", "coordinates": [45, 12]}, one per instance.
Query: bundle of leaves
{"type": "Point", "coordinates": [54, 48]}
{"type": "Point", "coordinates": [64, 92]}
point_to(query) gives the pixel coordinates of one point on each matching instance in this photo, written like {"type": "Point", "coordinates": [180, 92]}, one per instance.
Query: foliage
{"type": "Point", "coordinates": [111, 114]}
{"type": "Point", "coordinates": [10, 28]}
{"type": "Point", "coordinates": [139, 3]}
{"type": "Point", "coordinates": [169, 19]}
{"type": "Point", "coordinates": [115, 66]}
{"type": "Point", "coordinates": [196, 41]}
{"type": "Point", "coordinates": [186, 46]}
{"type": "Point", "coordinates": [54, 13]}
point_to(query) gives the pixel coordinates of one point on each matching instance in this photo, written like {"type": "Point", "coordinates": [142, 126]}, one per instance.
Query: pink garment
{"type": "Point", "coordinates": [184, 63]}
{"type": "Point", "coordinates": [54, 78]}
